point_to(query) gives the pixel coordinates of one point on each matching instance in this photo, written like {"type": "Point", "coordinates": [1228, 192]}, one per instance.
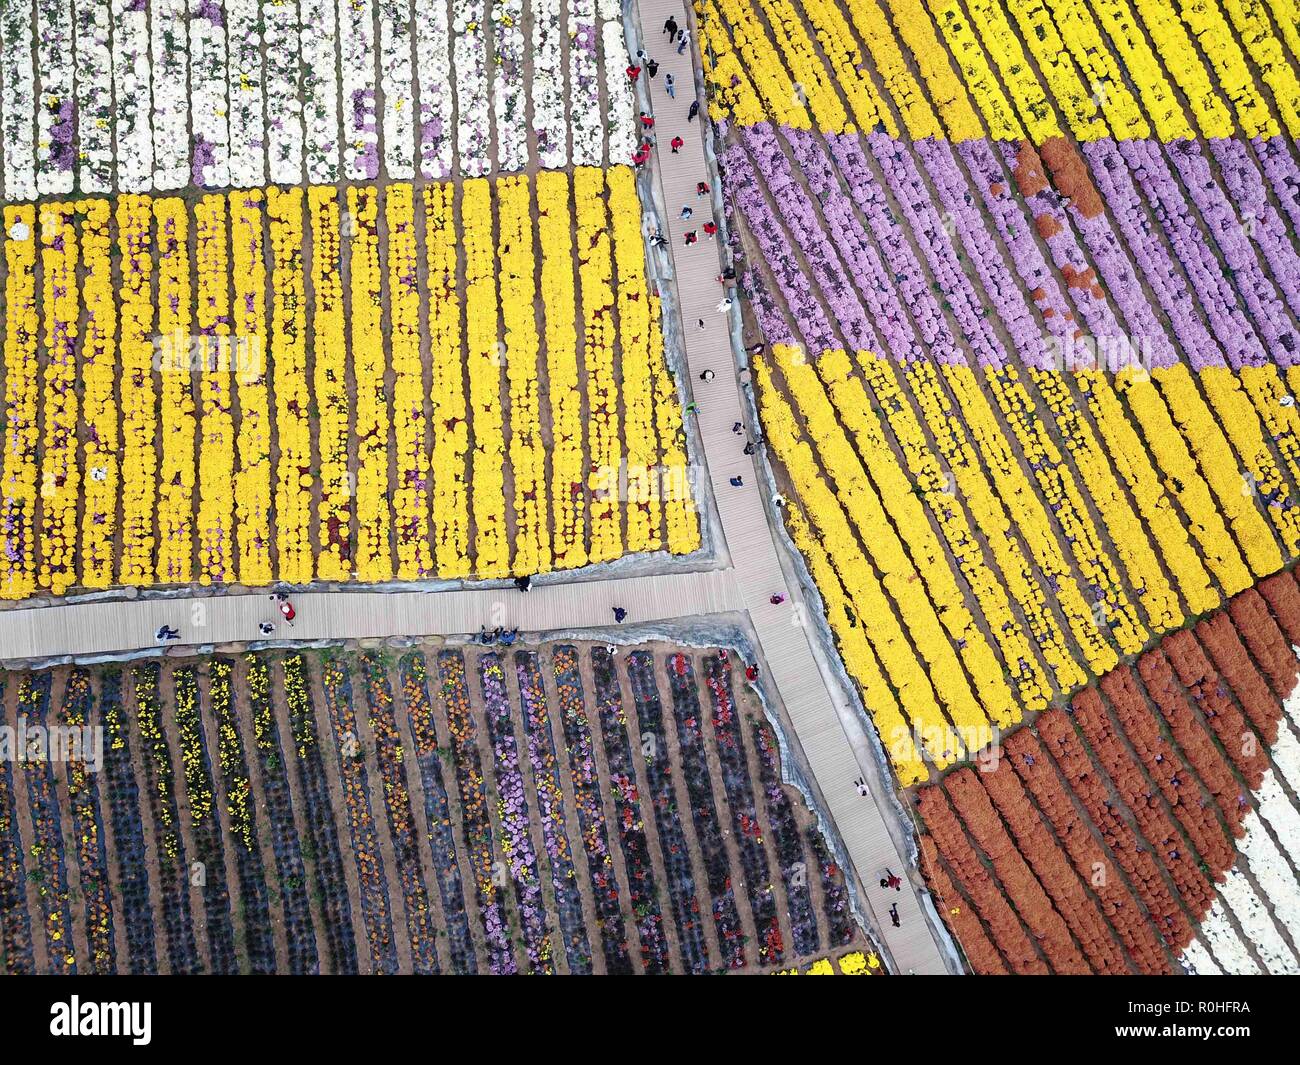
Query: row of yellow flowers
{"type": "Point", "coordinates": [60, 465]}
{"type": "Point", "coordinates": [515, 251]}
{"type": "Point", "coordinates": [177, 475]}
{"type": "Point", "coordinates": [676, 484]}
{"type": "Point", "coordinates": [374, 561]}
{"type": "Point", "coordinates": [253, 479]}
{"type": "Point", "coordinates": [450, 415]}
{"type": "Point", "coordinates": [411, 497]}
{"type": "Point", "coordinates": [634, 324]}
{"type": "Point", "coordinates": [484, 366]}
{"type": "Point", "coordinates": [329, 396]}
{"type": "Point", "coordinates": [99, 383]}
{"type": "Point", "coordinates": [22, 406]}
{"type": "Point", "coordinates": [293, 392]}
{"type": "Point", "coordinates": [1056, 483]}
{"type": "Point", "coordinates": [909, 664]}
{"type": "Point", "coordinates": [848, 70]}
{"type": "Point", "coordinates": [877, 501]}
{"type": "Point", "coordinates": [138, 396]}
{"type": "Point", "coordinates": [596, 278]}
{"type": "Point", "coordinates": [559, 295]}
{"type": "Point", "coordinates": [879, 695]}
{"type": "Point", "coordinates": [904, 501]}
{"type": "Point", "coordinates": [949, 494]}
{"type": "Point", "coordinates": [908, 95]}
{"type": "Point", "coordinates": [1116, 440]}
{"type": "Point", "coordinates": [217, 560]}
{"type": "Point", "coordinates": [856, 963]}
{"type": "Point", "coordinates": [1027, 513]}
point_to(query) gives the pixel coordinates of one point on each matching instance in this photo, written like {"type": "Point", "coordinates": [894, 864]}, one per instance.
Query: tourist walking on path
{"type": "Point", "coordinates": [633, 72]}
{"type": "Point", "coordinates": [652, 68]}
{"type": "Point", "coordinates": [619, 614]}
{"type": "Point", "coordinates": [683, 39]}
{"type": "Point", "coordinates": [693, 111]}
{"type": "Point", "coordinates": [670, 87]}
{"type": "Point", "coordinates": [670, 28]}
{"type": "Point", "coordinates": [676, 144]}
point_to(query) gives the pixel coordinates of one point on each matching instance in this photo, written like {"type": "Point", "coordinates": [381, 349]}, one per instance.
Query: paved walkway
{"type": "Point", "coordinates": [828, 730]}
{"type": "Point", "coordinates": [815, 704]}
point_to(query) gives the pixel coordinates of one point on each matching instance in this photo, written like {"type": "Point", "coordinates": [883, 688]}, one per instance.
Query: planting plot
{"type": "Point", "coordinates": [512, 841]}
{"type": "Point", "coordinates": [1144, 827]}
{"type": "Point", "coordinates": [1027, 278]}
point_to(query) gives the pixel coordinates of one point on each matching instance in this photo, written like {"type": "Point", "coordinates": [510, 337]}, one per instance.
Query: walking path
{"type": "Point", "coordinates": [828, 730]}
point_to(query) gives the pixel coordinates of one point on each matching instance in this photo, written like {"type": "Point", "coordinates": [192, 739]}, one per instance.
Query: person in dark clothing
{"type": "Point", "coordinates": [652, 68]}
{"type": "Point", "coordinates": [619, 614]}
{"type": "Point", "coordinates": [670, 27]}
{"type": "Point", "coordinates": [694, 110]}
{"type": "Point", "coordinates": [749, 447]}
{"type": "Point", "coordinates": [893, 916]}
{"type": "Point", "coordinates": [737, 482]}
{"type": "Point", "coordinates": [737, 428]}
{"type": "Point", "coordinates": [166, 633]}
{"type": "Point", "coordinates": [523, 583]}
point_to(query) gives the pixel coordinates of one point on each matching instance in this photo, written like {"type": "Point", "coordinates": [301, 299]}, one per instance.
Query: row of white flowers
{"type": "Point", "coordinates": [152, 95]}
{"type": "Point", "coordinates": [1225, 947]}
{"type": "Point", "coordinates": [1269, 851]}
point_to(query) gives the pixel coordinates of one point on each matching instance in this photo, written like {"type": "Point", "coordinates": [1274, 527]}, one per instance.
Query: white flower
{"type": "Point", "coordinates": [320, 92]}
{"type": "Point", "coordinates": [399, 105]}
{"type": "Point", "coordinates": [437, 107]}
{"type": "Point", "coordinates": [1224, 943]}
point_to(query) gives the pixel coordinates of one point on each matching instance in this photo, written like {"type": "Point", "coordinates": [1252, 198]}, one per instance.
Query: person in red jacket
{"type": "Point", "coordinates": [676, 143]}
{"type": "Point", "coordinates": [633, 72]}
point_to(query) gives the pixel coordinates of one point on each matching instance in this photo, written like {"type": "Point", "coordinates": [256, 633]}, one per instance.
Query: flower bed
{"type": "Point", "coordinates": [428, 753]}
{"type": "Point", "coordinates": [513, 816]}
{"type": "Point", "coordinates": [695, 769]}
{"type": "Point", "coordinates": [585, 781]}
{"type": "Point", "coordinates": [328, 880]}
{"type": "Point", "coordinates": [642, 884]}
{"type": "Point", "coordinates": [88, 830]}
{"type": "Point", "coordinates": [376, 908]}
{"type": "Point", "coordinates": [160, 782]}
{"type": "Point", "coordinates": [352, 474]}
{"type": "Point", "coordinates": [253, 897]}
{"type": "Point", "coordinates": [122, 794]}
{"type": "Point", "coordinates": [747, 826]}
{"type": "Point", "coordinates": [47, 868]}
{"type": "Point", "coordinates": [672, 837]}
{"type": "Point", "coordinates": [286, 850]}
{"type": "Point", "coordinates": [550, 807]}
{"type": "Point", "coordinates": [475, 818]}
{"type": "Point", "coordinates": [209, 862]}
{"type": "Point", "coordinates": [790, 853]}
{"type": "Point", "coordinates": [15, 922]}
{"type": "Point", "coordinates": [401, 822]}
